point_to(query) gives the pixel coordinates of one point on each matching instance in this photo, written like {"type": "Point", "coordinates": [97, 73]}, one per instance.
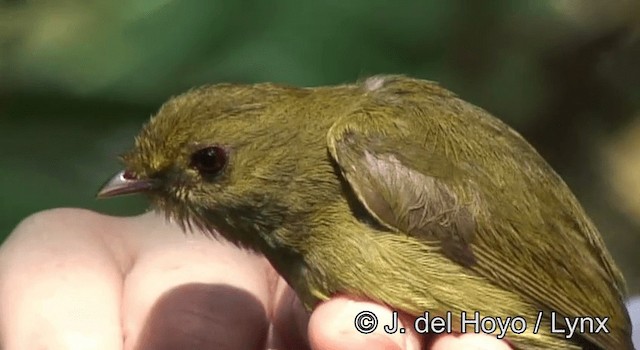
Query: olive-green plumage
{"type": "Point", "coordinates": [393, 189]}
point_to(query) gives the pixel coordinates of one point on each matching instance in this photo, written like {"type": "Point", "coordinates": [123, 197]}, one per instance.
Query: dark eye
{"type": "Point", "coordinates": [209, 161]}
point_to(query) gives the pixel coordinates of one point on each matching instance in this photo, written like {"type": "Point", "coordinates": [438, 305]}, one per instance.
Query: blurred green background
{"type": "Point", "coordinates": [78, 78]}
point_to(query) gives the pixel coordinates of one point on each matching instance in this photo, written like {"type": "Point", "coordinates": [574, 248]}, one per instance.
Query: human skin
{"type": "Point", "coordinates": [75, 279]}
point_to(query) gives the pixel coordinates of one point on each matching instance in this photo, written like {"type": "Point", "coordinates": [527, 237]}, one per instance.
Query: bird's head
{"type": "Point", "coordinates": [226, 157]}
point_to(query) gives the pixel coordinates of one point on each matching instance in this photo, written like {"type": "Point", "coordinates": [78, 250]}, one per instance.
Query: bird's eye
{"type": "Point", "coordinates": [209, 161]}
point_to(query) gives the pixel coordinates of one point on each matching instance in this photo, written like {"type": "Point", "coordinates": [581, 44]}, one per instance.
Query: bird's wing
{"type": "Point", "coordinates": [401, 197]}
{"type": "Point", "coordinates": [413, 178]}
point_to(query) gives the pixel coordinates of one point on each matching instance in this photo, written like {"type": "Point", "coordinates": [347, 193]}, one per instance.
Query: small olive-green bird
{"type": "Point", "coordinates": [391, 189]}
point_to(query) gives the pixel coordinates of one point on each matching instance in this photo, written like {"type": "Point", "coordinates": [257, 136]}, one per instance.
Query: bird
{"type": "Point", "coordinates": [392, 189]}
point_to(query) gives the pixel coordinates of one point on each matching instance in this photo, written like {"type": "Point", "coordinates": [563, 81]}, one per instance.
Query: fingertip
{"type": "Point", "coordinates": [335, 325]}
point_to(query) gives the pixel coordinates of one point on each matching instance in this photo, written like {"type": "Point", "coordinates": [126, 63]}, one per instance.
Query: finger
{"type": "Point", "coordinates": [290, 320]}
{"type": "Point", "coordinates": [190, 291]}
{"type": "Point", "coordinates": [470, 342]}
{"type": "Point", "coordinates": [204, 316]}
{"type": "Point", "coordinates": [59, 284]}
{"type": "Point", "coordinates": [334, 324]}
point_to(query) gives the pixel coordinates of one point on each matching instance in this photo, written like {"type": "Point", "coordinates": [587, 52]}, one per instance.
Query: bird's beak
{"type": "Point", "coordinates": [123, 183]}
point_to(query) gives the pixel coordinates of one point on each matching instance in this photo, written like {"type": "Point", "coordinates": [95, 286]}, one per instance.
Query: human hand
{"type": "Point", "coordinates": [74, 279]}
